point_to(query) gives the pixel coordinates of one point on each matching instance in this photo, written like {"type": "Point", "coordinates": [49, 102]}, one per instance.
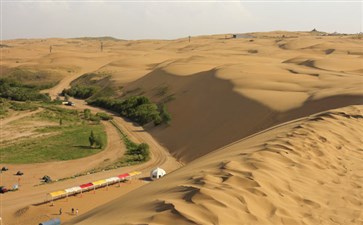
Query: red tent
{"type": "Point", "coordinates": [84, 186]}
{"type": "Point", "coordinates": [123, 176]}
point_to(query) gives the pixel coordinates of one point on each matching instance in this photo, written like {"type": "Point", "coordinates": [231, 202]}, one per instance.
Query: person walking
{"type": "Point", "coordinates": [72, 211]}
{"type": "Point", "coordinates": [76, 212]}
{"type": "Point", "coordinates": [60, 211]}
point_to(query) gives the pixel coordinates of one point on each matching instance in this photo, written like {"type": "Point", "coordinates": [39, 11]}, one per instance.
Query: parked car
{"type": "Point", "coordinates": [19, 173]}
{"type": "Point", "coordinates": [3, 189]}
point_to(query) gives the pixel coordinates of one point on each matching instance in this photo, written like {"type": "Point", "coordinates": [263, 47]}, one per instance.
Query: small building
{"type": "Point", "coordinates": [157, 173]}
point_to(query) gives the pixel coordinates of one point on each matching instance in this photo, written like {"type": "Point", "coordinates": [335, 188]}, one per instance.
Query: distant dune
{"type": "Point", "coordinates": [303, 172]}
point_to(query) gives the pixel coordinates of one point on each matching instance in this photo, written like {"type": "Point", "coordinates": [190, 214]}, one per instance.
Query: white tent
{"type": "Point", "coordinates": [157, 173]}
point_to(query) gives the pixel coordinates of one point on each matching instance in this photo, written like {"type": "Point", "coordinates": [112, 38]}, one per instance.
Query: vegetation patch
{"type": "Point", "coordinates": [19, 106]}
{"type": "Point", "coordinates": [68, 139]}
{"type": "Point", "coordinates": [69, 142]}
{"type": "Point", "coordinates": [80, 91]}
{"type": "Point", "coordinates": [37, 79]}
{"type": "Point", "coordinates": [137, 108]}
{"type": "Point", "coordinates": [14, 90]}
{"type": "Point", "coordinates": [91, 86]}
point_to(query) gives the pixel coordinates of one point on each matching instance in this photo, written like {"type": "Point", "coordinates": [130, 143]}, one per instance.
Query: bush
{"type": "Point", "coordinates": [15, 91]}
{"type": "Point", "coordinates": [79, 91]}
{"type": "Point", "coordinates": [104, 116]}
{"type": "Point", "coordinates": [94, 118]}
{"type": "Point", "coordinates": [165, 115]}
{"type": "Point", "coordinates": [137, 108]}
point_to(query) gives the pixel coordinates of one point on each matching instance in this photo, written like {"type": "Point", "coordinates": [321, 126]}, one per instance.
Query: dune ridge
{"type": "Point", "coordinates": [303, 172]}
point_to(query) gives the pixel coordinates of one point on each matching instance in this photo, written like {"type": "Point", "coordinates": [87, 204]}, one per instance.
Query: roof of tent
{"type": "Point", "coordinates": [83, 186]}
{"type": "Point", "coordinates": [158, 170]}
{"type": "Point", "coordinates": [57, 193]}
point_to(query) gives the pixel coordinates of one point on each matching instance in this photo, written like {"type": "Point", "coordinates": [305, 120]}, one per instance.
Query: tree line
{"type": "Point", "coordinates": [136, 108]}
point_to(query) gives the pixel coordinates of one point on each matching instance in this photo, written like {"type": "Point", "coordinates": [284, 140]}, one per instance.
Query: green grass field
{"type": "Point", "coordinates": [60, 142]}
{"type": "Point", "coordinates": [70, 142]}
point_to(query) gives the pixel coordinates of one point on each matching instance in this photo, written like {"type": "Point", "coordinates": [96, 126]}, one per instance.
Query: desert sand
{"type": "Point", "coordinates": [241, 122]}
{"type": "Point", "coordinates": [303, 172]}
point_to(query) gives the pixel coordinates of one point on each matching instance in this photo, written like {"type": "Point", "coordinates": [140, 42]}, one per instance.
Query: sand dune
{"type": "Point", "coordinates": [301, 172]}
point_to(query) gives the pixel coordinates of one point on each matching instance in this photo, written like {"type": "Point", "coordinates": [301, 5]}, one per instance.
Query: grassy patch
{"type": "Point", "coordinates": [18, 106]}
{"type": "Point", "coordinates": [91, 86]}
{"type": "Point", "coordinates": [31, 78]}
{"type": "Point", "coordinates": [68, 142]}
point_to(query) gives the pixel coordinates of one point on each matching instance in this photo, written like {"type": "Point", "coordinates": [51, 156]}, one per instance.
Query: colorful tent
{"type": "Point", "coordinates": [91, 185]}
{"type": "Point", "coordinates": [99, 183]}
{"type": "Point", "coordinates": [57, 194]}
{"type": "Point", "coordinates": [86, 186]}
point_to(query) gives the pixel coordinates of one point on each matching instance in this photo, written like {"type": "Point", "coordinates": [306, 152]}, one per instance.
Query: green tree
{"type": "Point", "coordinates": [92, 139]}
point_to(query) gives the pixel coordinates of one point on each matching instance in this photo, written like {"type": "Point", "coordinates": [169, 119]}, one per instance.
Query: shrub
{"type": "Point", "coordinates": [165, 115]}
{"type": "Point", "coordinates": [137, 108]}
{"type": "Point", "coordinates": [16, 91]}
{"type": "Point", "coordinates": [104, 116]}
{"type": "Point", "coordinates": [79, 91]}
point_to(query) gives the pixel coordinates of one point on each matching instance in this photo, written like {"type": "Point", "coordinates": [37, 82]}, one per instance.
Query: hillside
{"type": "Point", "coordinates": [303, 172]}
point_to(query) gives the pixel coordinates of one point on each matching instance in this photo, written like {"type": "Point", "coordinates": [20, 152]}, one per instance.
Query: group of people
{"type": "Point", "coordinates": [74, 212]}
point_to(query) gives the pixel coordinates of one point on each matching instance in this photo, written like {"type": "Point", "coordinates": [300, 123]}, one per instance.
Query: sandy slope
{"type": "Point", "coordinates": [307, 171]}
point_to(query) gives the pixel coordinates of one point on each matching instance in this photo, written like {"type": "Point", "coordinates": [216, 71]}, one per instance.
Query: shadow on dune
{"type": "Point", "coordinates": [207, 114]}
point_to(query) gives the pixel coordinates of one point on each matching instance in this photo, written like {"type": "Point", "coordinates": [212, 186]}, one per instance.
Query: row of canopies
{"type": "Point", "coordinates": [92, 185]}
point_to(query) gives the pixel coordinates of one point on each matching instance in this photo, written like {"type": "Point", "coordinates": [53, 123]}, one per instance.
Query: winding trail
{"type": "Point", "coordinates": [29, 194]}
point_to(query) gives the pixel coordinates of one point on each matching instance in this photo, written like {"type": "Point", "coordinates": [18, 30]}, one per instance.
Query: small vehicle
{"type": "Point", "coordinates": [3, 189]}
{"type": "Point", "coordinates": [70, 103]}
{"type": "Point", "coordinates": [47, 179]}
{"type": "Point", "coordinates": [19, 173]}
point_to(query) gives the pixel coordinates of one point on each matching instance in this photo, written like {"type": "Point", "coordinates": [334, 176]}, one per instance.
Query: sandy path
{"type": "Point", "coordinates": [17, 117]}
